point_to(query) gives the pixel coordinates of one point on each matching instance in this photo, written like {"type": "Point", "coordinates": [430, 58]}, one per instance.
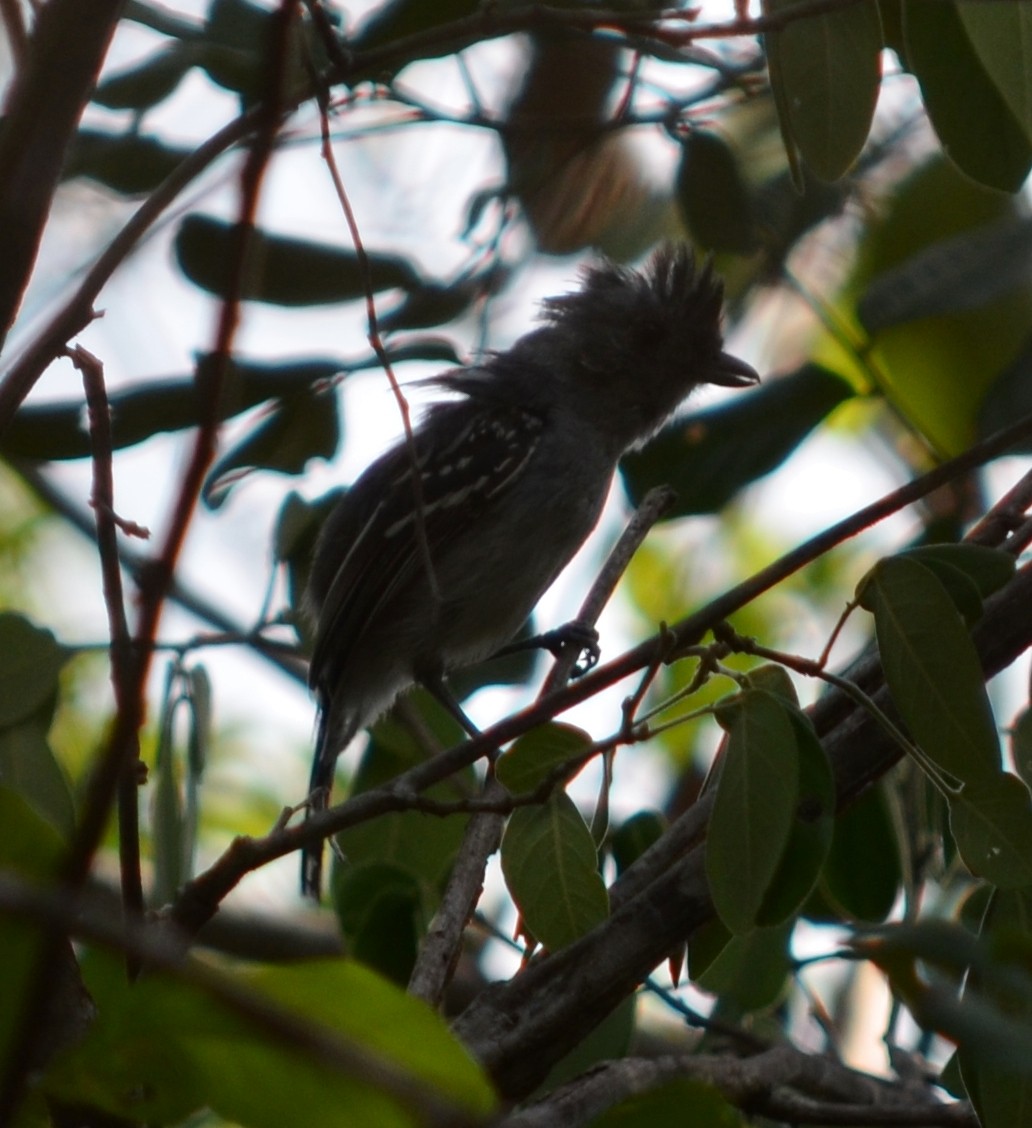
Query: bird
{"type": "Point", "coordinates": [437, 554]}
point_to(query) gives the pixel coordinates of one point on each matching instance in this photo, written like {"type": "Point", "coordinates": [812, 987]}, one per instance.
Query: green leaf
{"type": "Point", "coordinates": [959, 587]}
{"type": "Point", "coordinates": [958, 273]}
{"type": "Point", "coordinates": [988, 569]}
{"type": "Point", "coordinates": [1001, 35]}
{"type": "Point", "coordinates": [774, 679]}
{"type": "Point", "coordinates": [755, 808]}
{"type": "Point", "coordinates": [382, 909]}
{"type": "Point", "coordinates": [30, 844]}
{"type": "Point", "coordinates": [131, 164]}
{"type": "Point", "coordinates": [938, 370]}
{"type": "Point", "coordinates": [1009, 397]}
{"type": "Point", "coordinates": [714, 197]}
{"type": "Point", "coordinates": [200, 719]}
{"type": "Point", "coordinates": [932, 669]}
{"type": "Point", "coordinates": [862, 873]}
{"type": "Point", "coordinates": [968, 572]}
{"type": "Point", "coordinates": [709, 456]}
{"type": "Point", "coordinates": [30, 848]}
{"type": "Point", "coordinates": [750, 971]}
{"type": "Point", "coordinates": [1021, 745]}
{"type": "Point", "coordinates": [423, 844]}
{"type": "Point", "coordinates": [291, 432]}
{"type": "Point", "coordinates": [280, 270]}
{"type": "Point", "coordinates": [162, 1048]}
{"type": "Point", "coordinates": [977, 128]}
{"type": "Point", "coordinates": [551, 869]}
{"type": "Point", "coordinates": [538, 753]}
{"type": "Point", "coordinates": [1001, 1097]}
{"type": "Point", "coordinates": [825, 71]}
{"type": "Point", "coordinates": [30, 661]}
{"type": "Point", "coordinates": [704, 946]}
{"type": "Point", "coordinates": [29, 767]}
{"type": "Point", "coordinates": [811, 833]}
{"type": "Point", "coordinates": [991, 821]}
{"type": "Point", "coordinates": [634, 836]}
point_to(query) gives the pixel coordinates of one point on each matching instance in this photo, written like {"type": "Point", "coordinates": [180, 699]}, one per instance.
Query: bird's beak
{"type": "Point", "coordinates": [730, 372]}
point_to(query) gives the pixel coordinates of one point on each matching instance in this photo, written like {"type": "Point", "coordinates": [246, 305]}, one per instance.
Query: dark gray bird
{"type": "Point", "coordinates": [437, 555]}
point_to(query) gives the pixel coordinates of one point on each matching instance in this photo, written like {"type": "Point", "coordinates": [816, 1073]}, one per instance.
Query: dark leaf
{"type": "Point", "coordinates": [551, 870]}
{"type": "Point", "coordinates": [931, 668]}
{"type": "Point", "coordinates": [713, 195]}
{"type": "Point", "coordinates": [382, 916]}
{"type": "Point", "coordinates": [709, 456]}
{"type": "Point", "coordinates": [539, 753]}
{"type": "Point", "coordinates": [236, 46]}
{"type": "Point", "coordinates": [975, 125]}
{"type": "Point", "coordinates": [1001, 1097]}
{"type": "Point", "coordinates": [1001, 35]}
{"type": "Point", "coordinates": [280, 270]}
{"type": "Point", "coordinates": [295, 430]}
{"type": "Point", "coordinates": [401, 19]}
{"type": "Point", "coordinates": [988, 569]}
{"type": "Point", "coordinates": [30, 661]}
{"type": "Point", "coordinates": [750, 971]}
{"type": "Point", "coordinates": [825, 72]}
{"type": "Point", "coordinates": [149, 83]}
{"type": "Point", "coordinates": [862, 872]}
{"type": "Point", "coordinates": [962, 272]}
{"type": "Point", "coordinates": [128, 163]}
{"type": "Point", "coordinates": [634, 836]}
{"type": "Point", "coordinates": [29, 767]}
{"type": "Point", "coordinates": [755, 807]}
{"type": "Point", "coordinates": [968, 572]}
{"type": "Point", "coordinates": [430, 304]}
{"type": "Point", "coordinates": [55, 431]}
{"type": "Point", "coordinates": [1009, 398]}
{"type": "Point", "coordinates": [991, 821]}
{"type": "Point", "coordinates": [812, 828]}
{"type": "Point", "coordinates": [1021, 745]}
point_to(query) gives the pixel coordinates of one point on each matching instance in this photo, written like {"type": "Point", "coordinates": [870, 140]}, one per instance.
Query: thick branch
{"type": "Point", "coordinates": [781, 1082]}
{"type": "Point", "coordinates": [519, 1029]}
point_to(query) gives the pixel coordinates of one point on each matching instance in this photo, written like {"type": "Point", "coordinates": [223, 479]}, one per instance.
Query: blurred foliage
{"type": "Point", "coordinates": [856, 172]}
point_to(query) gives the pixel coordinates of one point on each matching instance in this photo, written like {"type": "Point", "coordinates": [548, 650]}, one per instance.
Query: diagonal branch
{"type": "Point", "coordinates": [64, 55]}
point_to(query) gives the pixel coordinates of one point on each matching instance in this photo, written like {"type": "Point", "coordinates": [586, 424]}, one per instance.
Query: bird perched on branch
{"type": "Point", "coordinates": [437, 555]}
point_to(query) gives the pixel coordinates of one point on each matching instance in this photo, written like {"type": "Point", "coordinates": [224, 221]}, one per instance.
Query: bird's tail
{"type": "Point", "coordinates": [319, 786]}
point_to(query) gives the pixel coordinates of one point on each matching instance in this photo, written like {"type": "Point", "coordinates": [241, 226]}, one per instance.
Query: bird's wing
{"type": "Point", "coordinates": [387, 532]}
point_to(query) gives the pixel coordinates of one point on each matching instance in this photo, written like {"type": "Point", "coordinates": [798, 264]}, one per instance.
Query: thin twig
{"type": "Point", "coordinates": [103, 503]}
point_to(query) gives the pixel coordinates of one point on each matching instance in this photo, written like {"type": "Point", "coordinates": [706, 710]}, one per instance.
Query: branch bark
{"type": "Point", "coordinates": [520, 1028]}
